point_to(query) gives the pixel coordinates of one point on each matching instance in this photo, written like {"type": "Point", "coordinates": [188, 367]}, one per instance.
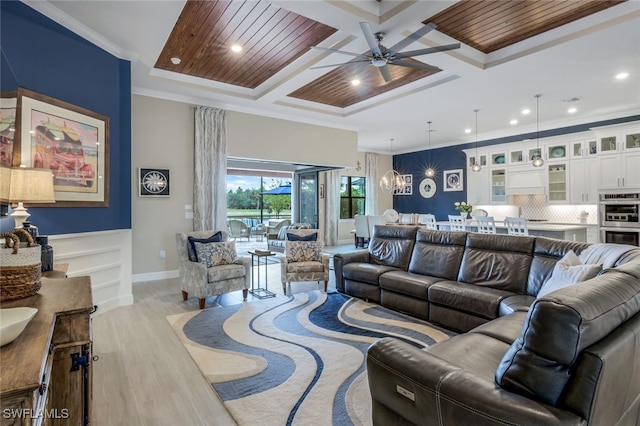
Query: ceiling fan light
{"type": "Point", "coordinates": [381, 62]}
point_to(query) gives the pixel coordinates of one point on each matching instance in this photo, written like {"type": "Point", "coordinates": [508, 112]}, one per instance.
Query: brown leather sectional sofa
{"type": "Point", "coordinates": [570, 357]}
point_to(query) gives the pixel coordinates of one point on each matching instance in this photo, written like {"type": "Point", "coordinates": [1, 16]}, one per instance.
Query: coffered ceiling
{"type": "Point", "coordinates": [510, 51]}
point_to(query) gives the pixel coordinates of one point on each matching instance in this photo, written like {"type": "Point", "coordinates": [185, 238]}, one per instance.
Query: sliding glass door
{"type": "Point", "coordinates": [306, 184]}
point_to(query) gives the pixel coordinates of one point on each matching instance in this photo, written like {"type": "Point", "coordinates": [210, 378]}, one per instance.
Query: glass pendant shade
{"type": "Point", "coordinates": [537, 161]}
{"type": "Point", "coordinates": [476, 167]}
{"type": "Point", "coordinates": [430, 172]}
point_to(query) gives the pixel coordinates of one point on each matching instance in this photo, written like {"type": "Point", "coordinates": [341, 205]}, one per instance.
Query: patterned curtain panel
{"type": "Point", "coordinates": [210, 170]}
{"type": "Point", "coordinates": [372, 175]}
{"type": "Point", "coordinates": [332, 208]}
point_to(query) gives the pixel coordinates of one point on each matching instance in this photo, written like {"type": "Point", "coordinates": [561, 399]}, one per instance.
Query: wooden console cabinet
{"type": "Point", "coordinates": [45, 377]}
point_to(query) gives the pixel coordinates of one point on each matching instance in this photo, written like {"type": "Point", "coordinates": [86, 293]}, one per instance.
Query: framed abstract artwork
{"type": "Point", "coordinates": [453, 180]}
{"type": "Point", "coordinates": [153, 182]}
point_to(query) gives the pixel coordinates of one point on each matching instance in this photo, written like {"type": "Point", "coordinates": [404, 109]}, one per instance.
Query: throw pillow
{"type": "Point", "coordinates": [568, 271]}
{"type": "Point", "coordinates": [193, 255]}
{"type": "Point", "coordinates": [304, 251]}
{"type": "Point", "coordinates": [215, 254]}
{"type": "Point", "coordinates": [297, 237]}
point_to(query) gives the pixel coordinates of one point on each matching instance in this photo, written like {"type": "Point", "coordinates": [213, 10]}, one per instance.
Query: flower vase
{"type": "Point", "coordinates": [464, 215]}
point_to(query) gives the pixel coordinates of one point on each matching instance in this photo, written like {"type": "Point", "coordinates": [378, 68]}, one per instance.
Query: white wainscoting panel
{"type": "Point", "coordinates": [105, 256]}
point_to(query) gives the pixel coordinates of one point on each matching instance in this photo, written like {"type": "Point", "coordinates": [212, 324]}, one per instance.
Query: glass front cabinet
{"type": "Point", "coordinates": [498, 186]}
{"type": "Point", "coordinates": [557, 178]}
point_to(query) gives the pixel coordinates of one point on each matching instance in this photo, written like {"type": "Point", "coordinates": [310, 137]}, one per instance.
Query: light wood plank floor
{"type": "Point", "coordinates": [144, 376]}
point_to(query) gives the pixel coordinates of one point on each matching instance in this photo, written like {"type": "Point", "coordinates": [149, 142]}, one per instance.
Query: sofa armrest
{"type": "Point", "coordinates": [193, 278]}
{"type": "Point", "coordinates": [341, 259]}
{"type": "Point", "coordinates": [410, 385]}
{"type": "Point", "coordinates": [248, 269]}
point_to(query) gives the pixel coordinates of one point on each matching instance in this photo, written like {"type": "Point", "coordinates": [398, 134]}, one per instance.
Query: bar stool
{"type": "Point", "coordinates": [486, 225]}
{"type": "Point", "coordinates": [457, 223]}
{"type": "Point", "coordinates": [516, 225]}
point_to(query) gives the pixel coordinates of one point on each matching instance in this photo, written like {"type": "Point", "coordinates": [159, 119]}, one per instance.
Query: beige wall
{"type": "Point", "coordinates": [162, 136]}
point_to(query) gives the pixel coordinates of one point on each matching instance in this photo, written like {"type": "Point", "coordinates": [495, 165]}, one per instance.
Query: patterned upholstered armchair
{"type": "Point", "coordinates": [303, 260]}
{"type": "Point", "coordinates": [219, 270]}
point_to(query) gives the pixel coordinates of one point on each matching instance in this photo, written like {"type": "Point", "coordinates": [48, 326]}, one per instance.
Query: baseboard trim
{"type": "Point", "coordinates": [154, 276]}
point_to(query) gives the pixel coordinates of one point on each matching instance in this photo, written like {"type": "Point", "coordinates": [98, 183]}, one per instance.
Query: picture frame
{"type": "Point", "coordinates": [453, 180]}
{"type": "Point", "coordinates": [407, 186]}
{"type": "Point", "coordinates": [154, 182]}
{"type": "Point", "coordinates": [78, 137]}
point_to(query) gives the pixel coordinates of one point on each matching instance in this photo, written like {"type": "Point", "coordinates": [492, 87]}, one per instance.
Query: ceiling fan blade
{"type": "Point", "coordinates": [371, 38]}
{"type": "Point", "coordinates": [338, 65]}
{"type": "Point", "coordinates": [328, 49]}
{"type": "Point", "coordinates": [427, 50]}
{"type": "Point", "coordinates": [413, 37]}
{"type": "Point", "coordinates": [386, 74]}
{"type": "Point", "coordinates": [419, 66]}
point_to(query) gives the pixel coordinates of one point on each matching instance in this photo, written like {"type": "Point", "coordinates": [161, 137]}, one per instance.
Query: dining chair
{"type": "Point", "coordinates": [486, 225]}
{"type": "Point", "coordinates": [516, 225]}
{"type": "Point", "coordinates": [428, 221]}
{"type": "Point", "coordinates": [457, 223]}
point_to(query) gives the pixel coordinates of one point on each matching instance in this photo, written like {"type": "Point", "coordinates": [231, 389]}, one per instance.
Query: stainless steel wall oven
{"type": "Point", "coordinates": [618, 218]}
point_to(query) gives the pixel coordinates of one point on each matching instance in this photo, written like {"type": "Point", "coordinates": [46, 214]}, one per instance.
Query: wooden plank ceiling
{"type": "Point", "coordinates": [490, 25]}
{"type": "Point", "coordinates": [273, 38]}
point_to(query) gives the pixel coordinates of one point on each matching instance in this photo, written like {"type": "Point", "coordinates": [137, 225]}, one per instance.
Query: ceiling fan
{"type": "Point", "coordinates": [380, 56]}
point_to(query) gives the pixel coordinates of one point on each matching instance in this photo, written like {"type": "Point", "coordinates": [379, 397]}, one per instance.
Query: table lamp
{"type": "Point", "coordinates": [28, 185]}
{"type": "Point", "coordinates": [5, 181]}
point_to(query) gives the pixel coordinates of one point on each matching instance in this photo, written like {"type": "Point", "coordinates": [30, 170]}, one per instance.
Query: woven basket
{"type": "Point", "coordinates": [20, 266]}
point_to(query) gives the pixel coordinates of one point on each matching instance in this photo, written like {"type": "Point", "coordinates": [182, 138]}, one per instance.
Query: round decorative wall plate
{"type": "Point", "coordinates": [428, 188]}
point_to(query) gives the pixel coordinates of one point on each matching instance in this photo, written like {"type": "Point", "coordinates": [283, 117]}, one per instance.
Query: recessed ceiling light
{"type": "Point", "coordinates": [236, 48]}
{"type": "Point", "coordinates": [175, 60]}
{"type": "Point", "coordinates": [622, 75]}
{"type": "Point", "coordinates": [467, 130]}
{"type": "Point", "coordinates": [572, 110]}
{"type": "Point", "coordinates": [355, 82]}
{"type": "Point", "coordinates": [513, 122]}
{"type": "Point", "coordinates": [526, 111]}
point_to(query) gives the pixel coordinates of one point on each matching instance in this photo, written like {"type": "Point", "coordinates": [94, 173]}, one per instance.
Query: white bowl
{"type": "Point", "coordinates": [13, 322]}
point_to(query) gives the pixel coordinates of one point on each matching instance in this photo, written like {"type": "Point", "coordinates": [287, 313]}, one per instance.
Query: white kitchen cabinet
{"type": "Point", "coordinates": [478, 187]}
{"type": "Point", "coordinates": [498, 186]}
{"type": "Point", "coordinates": [620, 171]}
{"type": "Point", "coordinates": [583, 181]}
{"type": "Point", "coordinates": [557, 178]}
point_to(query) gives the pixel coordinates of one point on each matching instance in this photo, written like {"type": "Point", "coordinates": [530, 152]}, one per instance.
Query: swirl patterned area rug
{"type": "Point", "coordinates": [296, 360]}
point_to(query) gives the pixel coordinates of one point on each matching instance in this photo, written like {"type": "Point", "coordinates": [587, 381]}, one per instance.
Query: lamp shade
{"type": "Point", "coordinates": [5, 182]}
{"type": "Point", "coordinates": [31, 186]}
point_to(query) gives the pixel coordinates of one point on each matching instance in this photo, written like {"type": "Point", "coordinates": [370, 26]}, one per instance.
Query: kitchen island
{"type": "Point", "coordinates": [569, 232]}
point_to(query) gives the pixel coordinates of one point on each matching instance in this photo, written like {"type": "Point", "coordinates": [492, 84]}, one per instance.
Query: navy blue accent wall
{"type": "Point", "coordinates": [452, 158]}
{"type": "Point", "coordinates": [49, 59]}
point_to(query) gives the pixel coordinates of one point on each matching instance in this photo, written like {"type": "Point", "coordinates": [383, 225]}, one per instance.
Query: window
{"type": "Point", "coordinates": [352, 196]}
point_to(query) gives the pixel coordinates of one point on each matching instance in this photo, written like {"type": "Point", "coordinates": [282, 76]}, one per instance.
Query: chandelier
{"type": "Point", "coordinates": [391, 180]}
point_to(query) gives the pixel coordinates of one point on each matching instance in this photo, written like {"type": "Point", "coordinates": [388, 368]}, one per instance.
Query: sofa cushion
{"type": "Point", "coordinates": [506, 328]}
{"type": "Point", "coordinates": [515, 303]}
{"type": "Point", "coordinates": [215, 254]}
{"type": "Point", "coordinates": [480, 301]}
{"type": "Point", "coordinates": [305, 266]}
{"type": "Point", "coordinates": [365, 272]}
{"type": "Point", "coordinates": [605, 254]}
{"type": "Point", "coordinates": [568, 271]}
{"type": "Point", "coordinates": [498, 261]}
{"type": "Point", "coordinates": [560, 326]}
{"type": "Point", "coordinates": [304, 251]}
{"type": "Point", "coordinates": [225, 272]}
{"type": "Point", "coordinates": [407, 283]}
{"type": "Point", "coordinates": [546, 253]}
{"type": "Point", "coordinates": [215, 238]}
{"type": "Point", "coordinates": [438, 253]}
{"type": "Point", "coordinates": [392, 245]}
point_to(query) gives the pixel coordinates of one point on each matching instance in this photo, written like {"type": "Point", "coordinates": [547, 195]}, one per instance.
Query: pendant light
{"type": "Point", "coordinates": [537, 160]}
{"type": "Point", "coordinates": [430, 172]}
{"type": "Point", "coordinates": [476, 162]}
{"type": "Point", "coordinates": [391, 180]}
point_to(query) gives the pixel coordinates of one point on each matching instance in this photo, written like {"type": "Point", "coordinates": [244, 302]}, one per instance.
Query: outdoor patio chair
{"type": "Point", "coordinates": [238, 229]}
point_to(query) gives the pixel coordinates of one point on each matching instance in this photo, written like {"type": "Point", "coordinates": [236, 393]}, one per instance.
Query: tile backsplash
{"type": "Point", "coordinates": [536, 207]}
